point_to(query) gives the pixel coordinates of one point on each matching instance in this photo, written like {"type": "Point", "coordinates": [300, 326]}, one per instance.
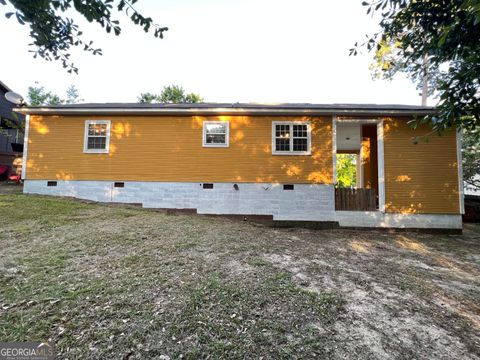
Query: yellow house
{"type": "Point", "coordinates": [249, 159]}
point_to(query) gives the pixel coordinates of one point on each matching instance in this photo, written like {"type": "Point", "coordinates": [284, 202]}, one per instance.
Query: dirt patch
{"type": "Point", "coordinates": [107, 282]}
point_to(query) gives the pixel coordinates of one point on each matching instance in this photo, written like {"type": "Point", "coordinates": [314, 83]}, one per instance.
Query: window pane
{"type": "Point", "coordinates": [216, 128]}
{"type": "Point", "coordinates": [282, 144]}
{"type": "Point", "coordinates": [96, 143]}
{"type": "Point", "coordinates": [101, 129]}
{"type": "Point", "coordinates": [282, 131]}
{"type": "Point", "coordinates": [215, 139]}
{"type": "Point", "coordinates": [300, 130]}
{"type": "Point", "coordinates": [97, 129]}
{"type": "Point", "coordinates": [299, 144]}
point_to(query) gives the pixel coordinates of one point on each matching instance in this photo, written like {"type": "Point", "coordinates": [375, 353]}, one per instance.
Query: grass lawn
{"type": "Point", "coordinates": [121, 282]}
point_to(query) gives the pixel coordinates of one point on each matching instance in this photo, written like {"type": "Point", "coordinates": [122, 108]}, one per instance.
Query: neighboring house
{"type": "Point", "coordinates": [10, 155]}
{"type": "Point", "coordinates": [248, 159]}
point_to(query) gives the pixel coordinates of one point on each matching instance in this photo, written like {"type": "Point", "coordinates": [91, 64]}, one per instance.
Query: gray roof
{"type": "Point", "coordinates": [4, 87]}
{"type": "Point", "coordinates": [229, 109]}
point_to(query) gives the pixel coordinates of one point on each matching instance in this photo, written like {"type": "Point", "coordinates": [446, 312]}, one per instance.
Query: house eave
{"type": "Point", "coordinates": [222, 111]}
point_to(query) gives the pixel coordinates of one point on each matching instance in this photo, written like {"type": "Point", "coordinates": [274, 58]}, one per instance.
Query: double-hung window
{"type": "Point", "coordinates": [97, 136]}
{"type": "Point", "coordinates": [216, 133]}
{"type": "Point", "coordinates": [291, 138]}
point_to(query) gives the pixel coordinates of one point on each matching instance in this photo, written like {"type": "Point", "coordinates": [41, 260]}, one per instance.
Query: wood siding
{"type": "Point", "coordinates": [156, 148]}
{"type": "Point", "coordinates": [423, 177]}
{"type": "Point", "coordinates": [369, 157]}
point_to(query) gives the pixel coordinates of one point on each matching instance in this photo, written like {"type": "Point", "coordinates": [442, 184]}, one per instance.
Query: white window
{"type": "Point", "coordinates": [291, 138]}
{"type": "Point", "coordinates": [216, 133]}
{"type": "Point", "coordinates": [97, 136]}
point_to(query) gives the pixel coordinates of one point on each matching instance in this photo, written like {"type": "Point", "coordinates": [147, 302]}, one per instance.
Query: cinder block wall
{"type": "Point", "coordinates": [305, 202]}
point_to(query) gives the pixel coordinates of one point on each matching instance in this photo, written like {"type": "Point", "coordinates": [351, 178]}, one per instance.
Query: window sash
{"type": "Point", "coordinates": [217, 135]}
{"type": "Point", "coordinates": [97, 130]}
{"type": "Point", "coordinates": [291, 138]}
{"type": "Point", "coordinates": [218, 129]}
{"type": "Point", "coordinates": [97, 136]}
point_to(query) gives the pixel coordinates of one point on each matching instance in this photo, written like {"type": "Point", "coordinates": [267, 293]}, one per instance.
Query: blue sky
{"type": "Point", "coordinates": [228, 51]}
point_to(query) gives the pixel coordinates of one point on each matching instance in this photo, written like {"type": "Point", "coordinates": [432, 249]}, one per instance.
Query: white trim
{"type": "Point", "coordinates": [25, 146]}
{"type": "Point", "coordinates": [380, 157]}
{"type": "Point", "coordinates": [461, 198]}
{"type": "Point", "coordinates": [291, 152]}
{"type": "Point", "coordinates": [360, 156]}
{"type": "Point", "coordinates": [381, 167]}
{"type": "Point", "coordinates": [334, 148]}
{"type": "Point", "coordinates": [107, 138]}
{"type": "Point", "coordinates": [227, 134]}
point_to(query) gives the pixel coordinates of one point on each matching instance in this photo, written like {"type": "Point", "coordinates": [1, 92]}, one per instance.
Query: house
{"type": "Point", "coordinates": [10, 155]}
{"type": "Point", "coordinates": [249, 159]}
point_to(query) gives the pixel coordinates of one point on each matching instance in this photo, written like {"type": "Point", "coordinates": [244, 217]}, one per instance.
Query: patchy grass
{"type": "Point", "coordinates": [110, 282]}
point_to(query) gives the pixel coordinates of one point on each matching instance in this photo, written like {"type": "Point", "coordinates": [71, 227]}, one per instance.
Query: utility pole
{"type": "Point", "coordinates": [425, 81]}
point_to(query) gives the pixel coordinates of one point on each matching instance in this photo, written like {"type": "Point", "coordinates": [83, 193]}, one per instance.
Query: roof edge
{"type": "Point", "coordinates": [4, 86]}
{"type": "Point", "coordinates": [221, 111]}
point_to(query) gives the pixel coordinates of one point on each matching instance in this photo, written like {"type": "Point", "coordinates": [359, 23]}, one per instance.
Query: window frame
{"type": "Point", "coordinates": [227, 134]}
{"type": "Point", "coordinates": [291, 151]}
{"type": "Point", "coordinates": [86, 136]}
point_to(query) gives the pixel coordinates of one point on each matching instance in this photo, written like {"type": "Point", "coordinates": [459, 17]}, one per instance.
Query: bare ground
{"type": "Point", "coordinates": [117, 282]}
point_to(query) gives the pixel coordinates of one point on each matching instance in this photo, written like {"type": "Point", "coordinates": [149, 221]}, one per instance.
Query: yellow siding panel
{"type": "Point", "coordinates": [162, 148]}
{"type": "Point", "coordinates": [423, 177]}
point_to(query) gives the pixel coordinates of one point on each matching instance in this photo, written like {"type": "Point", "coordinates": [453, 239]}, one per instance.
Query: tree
{"type": "Point", "coordinates": [437, 40]}
{"type": "Point", "coordinates": [38, 96]}
{"type": "Point", "coordinates": [346, 170]}
{"type": "Point", "coordinates": [54, 33]}
{"type": "Point", "coordinates": [471, 158]}
{"type": "Point", "coordinates": [147, 98]}
{"type": "Point", "coordinates": [73, 96]}
{"type": "Point", "coordinates": [170, 94]}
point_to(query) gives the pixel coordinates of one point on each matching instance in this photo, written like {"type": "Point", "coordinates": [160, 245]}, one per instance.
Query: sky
{"type": "Point", "coordinates": [264, 51]}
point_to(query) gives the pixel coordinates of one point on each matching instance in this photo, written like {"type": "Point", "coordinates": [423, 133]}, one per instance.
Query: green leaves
{"type": "Point", "coordinates": [170, 94]}
{"type": "Point", "coordinates": [434, 41]}
{"type": "Point", "coordinates": [38, 96]}
{"type": "Point", "coordinates": [54, 34]}
{"type": "Point", "coordinates": [471, 158]}
{"type": "Point", "coordinates": [346, 170]}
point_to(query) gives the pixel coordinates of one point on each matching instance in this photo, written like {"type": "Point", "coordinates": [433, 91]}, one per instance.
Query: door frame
{"type": "Point", "coordinates": [380, 153]}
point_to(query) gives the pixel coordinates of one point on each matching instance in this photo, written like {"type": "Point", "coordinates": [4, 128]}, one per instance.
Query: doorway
{"type": "Point", "coordinates": [357, 166]}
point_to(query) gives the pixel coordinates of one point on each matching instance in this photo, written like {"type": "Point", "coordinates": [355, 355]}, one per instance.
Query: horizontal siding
{"type": "Point", "coordinates": [153, 148]}
{"type": "Point", "coordinates": [423, 177]}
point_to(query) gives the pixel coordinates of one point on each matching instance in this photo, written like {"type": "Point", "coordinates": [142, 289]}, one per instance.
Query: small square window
{"type": "Point", "coordinates": [215, 133]}
{"type": "Point", "coordinates": [97, 136]}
